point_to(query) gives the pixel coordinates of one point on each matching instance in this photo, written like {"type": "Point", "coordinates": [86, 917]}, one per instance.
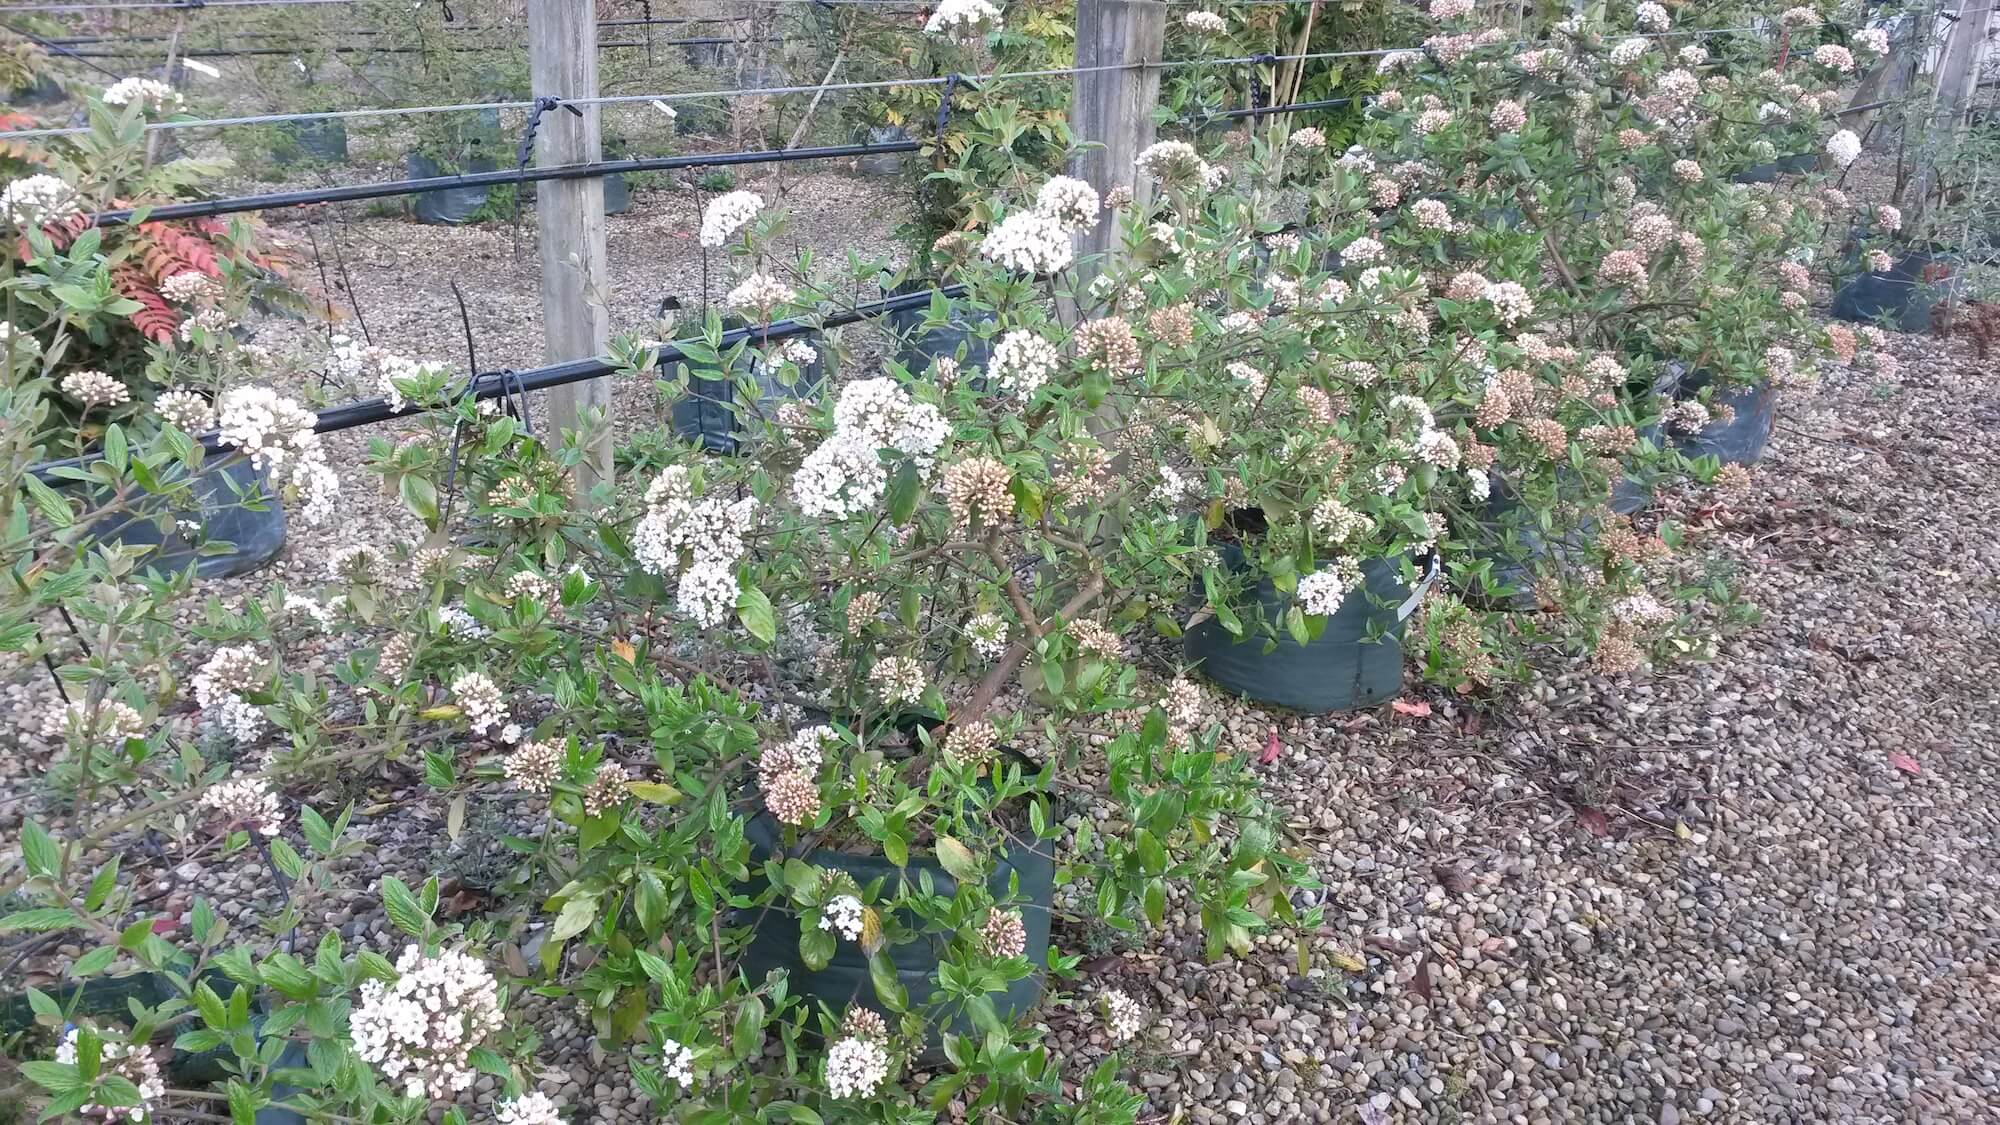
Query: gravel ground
{"type": "Point", "coordinates": [1760, 888]}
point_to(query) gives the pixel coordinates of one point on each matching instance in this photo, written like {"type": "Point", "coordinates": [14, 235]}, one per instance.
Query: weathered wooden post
{"type": "Point", "coordinates": [569, 216]}
{"type": "Point", "coordinates": [1113, 109]}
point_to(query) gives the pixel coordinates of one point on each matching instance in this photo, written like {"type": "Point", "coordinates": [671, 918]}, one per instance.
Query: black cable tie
{"type": "Point", "coordinates": [944, 106]}
{"type": "Point", "coordinates": [448, 17]}
{"type": "Point", "coordinates": [190, 3]}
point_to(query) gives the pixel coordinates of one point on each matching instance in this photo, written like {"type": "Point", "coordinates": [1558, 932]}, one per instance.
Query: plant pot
{"type": "Point", "coordinates": [845, 981]}
{"type": "Point", "coordinates": [1741, 440]}
{"type": "Point", "coordinates": [617, 194]}
{"type": "Point", "coordinates": [1903, 296]}
{"type": "Point", "coordinates": [708, 414]}
{"type": "Point", "coordinates": [919, 342]}
{"type": "Point", "coordinates": [1343, 669]}
{"type": "Point", "coordinates": [313, 141]}
{"type": "Point", "coordinates": [1794, 165]}
{"type": "Point", "coordinates": [884, 163]}
{"type": "Point", "coordinates": [454, 206]}
{"type": "Point", "coordinates": [255, 535]}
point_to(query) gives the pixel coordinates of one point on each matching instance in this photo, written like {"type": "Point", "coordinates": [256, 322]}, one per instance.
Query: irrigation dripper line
{"type": "Point", "coordinates": [765, 91]}
{"type": "Point", "coordinates": [495, 384]}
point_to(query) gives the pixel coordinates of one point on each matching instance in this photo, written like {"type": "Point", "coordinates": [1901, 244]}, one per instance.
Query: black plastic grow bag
{"type": "Point", "coordinates": [1741, 440]}
{"type": "Point", "coordinates": [1901, 296]}
{"type": "Point", "coordinates": [883, 163]}
{"type": "Point", "coordinates": [255, 535]}
{"type": "Point", "coordinates": [919, 342]}
{"type": "Point", "coordinates": [846, 982]}
{"type": "Point", "coordinates": [1342, 669]}
{"type": "Point", "coordinates": [1794, 165]}
{"type": "Point", "coordinates": [311, 141]}
{"type": "Point", "coordinates": [447, 206]}
{"type": "Point", "coordinates": [709, 412]}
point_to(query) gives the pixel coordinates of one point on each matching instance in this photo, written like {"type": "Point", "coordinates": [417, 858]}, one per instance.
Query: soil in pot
{"type": "Point", "coordinates": [255, 535]}
{"type": "Point", "coordinates": [709, 412]}
{"type": "Point", "coordinates": [1356, 662]}
{"type": "Point", "coordinates": [845, 980]}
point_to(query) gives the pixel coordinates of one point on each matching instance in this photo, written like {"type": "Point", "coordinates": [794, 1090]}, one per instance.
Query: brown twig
{"type": "Point", "coordinates": [1010, 661]}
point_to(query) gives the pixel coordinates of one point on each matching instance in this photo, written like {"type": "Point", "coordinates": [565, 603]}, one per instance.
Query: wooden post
{"type": "Point", "coordinates": [1114, 108]}
{"type": "Point", "coordinates": [569, 216]}
{"type": "Point", "coordinates": [1957, 78]}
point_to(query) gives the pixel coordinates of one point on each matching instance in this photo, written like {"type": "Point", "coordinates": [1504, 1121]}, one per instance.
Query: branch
{"type": "Point", "coordinates": [1010, 661]}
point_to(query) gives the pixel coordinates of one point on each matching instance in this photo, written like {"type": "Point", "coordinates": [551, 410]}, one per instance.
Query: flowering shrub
{"type": "Point", "coordinates": [864, 702]}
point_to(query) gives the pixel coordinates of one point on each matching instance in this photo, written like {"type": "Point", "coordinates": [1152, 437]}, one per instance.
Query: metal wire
{"type": "Point", "coordinates": [762, 91]}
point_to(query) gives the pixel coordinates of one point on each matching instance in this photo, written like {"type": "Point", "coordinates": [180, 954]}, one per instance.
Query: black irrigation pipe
{"type": "Point", "coordinates": [498, 384]}
{"type": "Point", "coordinates": [352, 192]}
{"type": "Point", "coordinates": [86, 40]}
{"type": "Point", "coordinates": [357, 49]}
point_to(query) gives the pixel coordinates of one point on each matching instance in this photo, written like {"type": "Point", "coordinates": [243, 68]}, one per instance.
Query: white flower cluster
{"type": "Point", "coordinates": [38, 200]}
{"type": "Point", "coordinates": [17, 340]}
{"type": "Point", "coordinates": [1844, 147]}
{"type": "Point", "coordinates": [248, 802]}
{"type": "Point", "coordinates": [529, 1109]}
{"type": "Point", "coordinates": [480, 700]}
{"type": "Point", "coordinates": [964, 20]}
{"type": "Point", "coordinates": [1874, 40]}
{"type": "Point", "coordinates": [1123, 1017]}
{"type": "Point", "coordinates": [677, 1063]}
{"type": "Point", "coordinates": [727, 214]}
{"type": "Point", "coordinates": [1206, 23]}
{"type": "Point", "coordinates": [987, 634]}
{"type": "Point", "coordinates": [420, 1030]}
{"type": "Point", "coordinates": [698, 541]}
{"type": "Point", "coordinates": [1028, 242]}
{"type": "Point", "coordinates": [278, 435]}
{"type": "Point", "coordinates": [1651, 17]}
{"type": "Point", "coordinates": [1022, 362]}
{"type": "Point", "coordinates": [1442, 10]}
{"type": "Point", "coordinates": [1323, 591]}
{"type": "Point", "coordinates": [134, 1064]}
{"type": "Point", "coordinates": [114, 721]}
{"type": "Point", "coordinates": [760, 293]}
{"type": "Point", "coordinates": [147, 92]}
{"type": "Point", "coordinates": [1510, 301]}
{"type": "Point", "coordinates": [899, 680]}
{"type": "Point", "coordinates": [842, 915]}
{"type": "Point", "coordinates": [365, 363]}
{"type": "Point", "coordinates": [856, 1067]}
{"type": "Point", "coordinates": [190, 287]}
{"type": "Point", "coordinates": [1071, 202]}
{"type": "Point", "coordinates": [95, 388]}
{"type": "Point", "coordinates": [845, 475]}
{"type": "Point", "coordinates": [1629, 51]}
{"type": "Point", "coordinates": [185, 410]}
{"type": "Point", "coordinates": [219, 688]}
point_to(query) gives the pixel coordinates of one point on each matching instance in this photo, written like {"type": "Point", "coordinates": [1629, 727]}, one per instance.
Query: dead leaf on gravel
{"type": "Point", "coordinates": [1420, 979]}
{"type": "Point", "coordinates": [1905, 763]}
{"type": "Point", "coordinates": [1415, 707]}
{"type": "Point", "coordinates": [1594, 821]}
{"type": "Point", "coordinates": [1452, 878]}
{"type": "Point", "coordinates": [1392, 944]}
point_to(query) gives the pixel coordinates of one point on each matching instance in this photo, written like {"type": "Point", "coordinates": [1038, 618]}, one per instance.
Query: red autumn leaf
{"type": "Point", "coordinates": [1594, 821]}
{"type": "Point", "coordinates": [1905, 763]}
{"type": "Point", "coordinates": [1416, 707]}
{"type": "Point", "coordinates": [1272, 748]}
{"type": "Point", "coordinates": [165, 925]}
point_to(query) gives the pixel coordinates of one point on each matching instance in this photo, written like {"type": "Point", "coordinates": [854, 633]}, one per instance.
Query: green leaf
{"type": "Point", "coordinates": [957, 859]}
{"type": "Point", "coordinates": [243, 1103]}
{"type": "Point", "coordinates": [319, 836]}
{"type": "Point", "coordinates": [101, 885]}
{"type": "Point", "coordinates": [420, 497]}
{"type": "Point", "coordinates": [95, 961]}
{"type": "Point", "coordinates": [43, 1005]}
{"type": "Point", "coordinates": [286, 858]}
{"type": "Point", "coordinates": [577, 915]}
{"type": "Point", "coordinates": [42, 919]}
{"type": "Point", "coordinates": [402, 907]}
{"type": "Point", "coordinates": [54, 1077]}
{"type": "Point", "coordinates": [650, 904]}
{"type": "Point", "coordinates": [39, 850]}
{"type": "Point", "coordinates": [116, 452]}
{"type": "Point", "coordinates": [758, 617]}
{"type": "Point", "coordinates": [904, 489]}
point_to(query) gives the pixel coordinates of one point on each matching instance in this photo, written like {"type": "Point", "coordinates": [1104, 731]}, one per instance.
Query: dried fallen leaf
{"type": "Point", "coordinates": [1420, 980]}
{"type": "Point", "coordinates": [1416, 707]}
{"type": "Point", "coordinates": [1905, 763]}
{"type": "Point", "coordinates": [1272, 748]}
{"type": "Point", "coordinates": [1347, 962]}
{"type": "Point", "coordinates": [624, 651]}
{"type": "Point", "coordinates": [1594, 821]}
{"type": "Point", "coordinates": [1453, 879]}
